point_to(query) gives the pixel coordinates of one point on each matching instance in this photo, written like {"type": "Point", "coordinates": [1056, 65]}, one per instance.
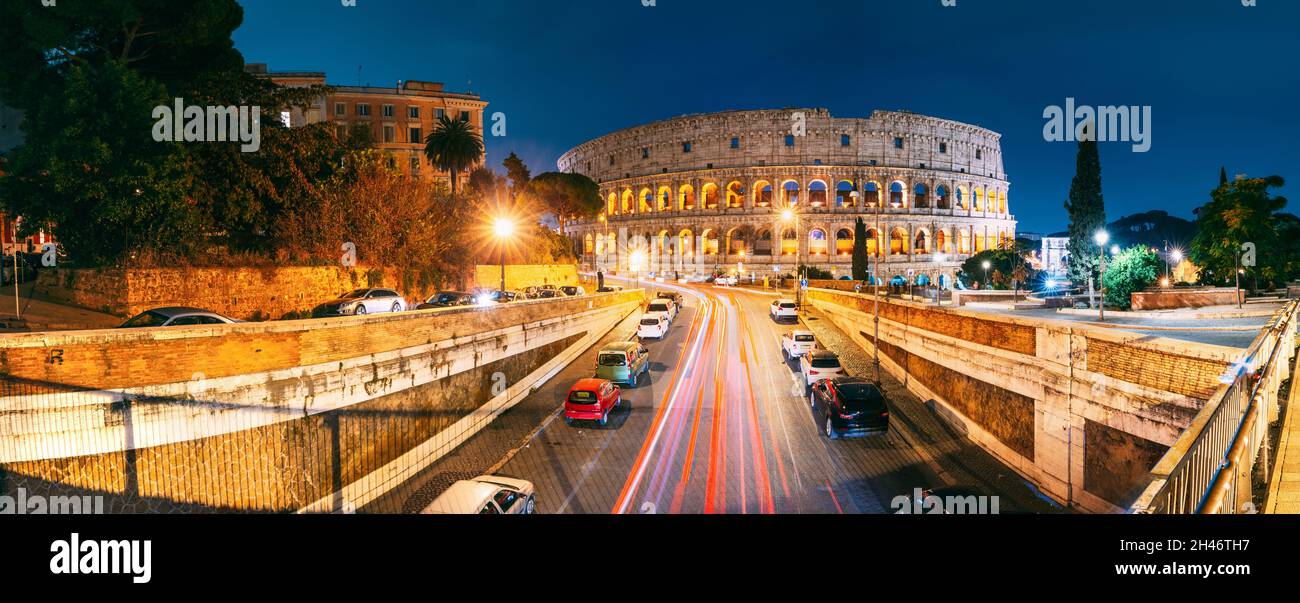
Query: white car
{"type": "Point", "coordinates": [654, 325]}
{"type": "Point", "coordinates": [487, 495]}
{"type": "Point", "coordinates": [784, 308]}
{"type": "Point", "coordinates": [573, 291]}
{"type": "Point", "coordinates": [794, 344]}
{"type": "Point", "coordinates": [363, 301]}
{"type": "Point", "coordinates": [726, 281]}
{"type": "Point", "coordinates": [818, 365]}
{"type": "Point", "coordinates": [663, 306]}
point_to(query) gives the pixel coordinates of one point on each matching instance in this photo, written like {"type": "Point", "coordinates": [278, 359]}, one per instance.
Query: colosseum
{"type": "Point", "coordinates": [761, 192]}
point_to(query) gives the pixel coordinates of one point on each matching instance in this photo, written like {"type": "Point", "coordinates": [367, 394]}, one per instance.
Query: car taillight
{"type": "Point", "coordinates": [885, 414]}
{"type": "Point", "coordinates": [811, 372]}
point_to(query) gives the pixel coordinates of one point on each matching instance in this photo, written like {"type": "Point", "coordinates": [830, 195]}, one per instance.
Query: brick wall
{"type": "Point", "coordinates": [1168, 299]}
{"type": "Point", "coordinates": [520, 276]}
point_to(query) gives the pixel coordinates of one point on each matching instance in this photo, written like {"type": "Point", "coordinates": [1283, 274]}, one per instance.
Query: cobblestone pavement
{"type": "Point", "coordinates": [958, 460]}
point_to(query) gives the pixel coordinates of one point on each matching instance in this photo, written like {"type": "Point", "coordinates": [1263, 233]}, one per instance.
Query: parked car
{"type": "Point", "coordinates": [548, 294]}
{"type": "Point", "coordinates": [573, 291]}
{"type": "Point", "coordinates": [609, 289]}
{"type": "Point", "coordinates": [487, 495]}
{"type": "Point", "coordinates": [819, 365]}
{"type": "Point", "coordinates": [784, 309]}
{"type": "Point", "coordinates": [488, 298]}
{"type": "Point", "coordinates": [849, 406]}
{"type": "Point", "coordinates": [362, 301]}
{"type": "Point", "coordinates": [447, 299]}
{"type": "Point", "coordinates": [663, 306]}
{"type": "Point", "coordinates": [795, 344]}
{"type": "Point", "coordinates": [653, 325]}
{"type": "Point", "coordinates": [176, 316]}
{"type": "Point", "coordinates": [591, 400]}
{"type": "Point", "coordinates": [726, 281]}
{"type": "Point", "coordinates": [673, 295]}
{"type": "Point", "coordinates": [623, 362]}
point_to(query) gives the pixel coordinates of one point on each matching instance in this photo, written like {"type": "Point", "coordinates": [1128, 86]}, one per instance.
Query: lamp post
{"type": "Point", "coordinates": [634, 262]}
{"type": "Point", "coordinates": [788, 216]}
{"type": "Point", "coordinates": [1102, 237]}
{"type": "Point", "coordinates": [503, 228]}
{"type": "Point", "coordinates": [986, 266]}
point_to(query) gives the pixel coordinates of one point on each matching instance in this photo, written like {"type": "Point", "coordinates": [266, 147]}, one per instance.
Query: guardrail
{"type": "Point", "coordinates": [1209, 469]}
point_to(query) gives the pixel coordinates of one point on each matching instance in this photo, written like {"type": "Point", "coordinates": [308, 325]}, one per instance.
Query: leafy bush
{"type": "Point", "coordinates": [1135, 269]}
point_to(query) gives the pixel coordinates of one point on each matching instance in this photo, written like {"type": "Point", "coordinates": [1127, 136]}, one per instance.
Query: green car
{"type": "Point", "coordinates": [623, 362]}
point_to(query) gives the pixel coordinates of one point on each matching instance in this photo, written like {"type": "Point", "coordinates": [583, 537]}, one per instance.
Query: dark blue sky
{"type": "Point", "coordinates": [1223, 80]}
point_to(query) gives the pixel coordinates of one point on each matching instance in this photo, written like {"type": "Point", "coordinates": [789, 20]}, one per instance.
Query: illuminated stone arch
{"type": "Point", "coordinates": [589, 244]}
{"type": "Point", "coordinates": [818, 242]}
{"type": "Point", "coordinates": [1002, 202]}
{"type": "Point", "coordinates": [963, 198]}
{"type": "Point", "coordinates": [665, 198]}
{"type": "Point", "coordinates": [897, 194]}
{"type": "Point", "coordinates": [873, 242]}
{"type": "Point", "coordinates": [921, 196]}
{"type": "Point", "coordinates": [740, 240]}
{"type": "Point", "coordinates": [629, 199]}
{"type": "Point", "coordinates": [898, 241]}
{"type": "Point", "coordinates": [872, 196]}
{"type": "Point", "coordinates": [763, 242]}
{"type": "Point", "coordinates": [645, 201]}
{"type": "Point", "coordinates": [789, 241]}
{"type": "Point", "coordinates": [686, 198]}
{"type": "Point", "coordinates": [709, 241]}
{"type": "Point", "coordinates": [844, 242]}
{"type": "Point", "coordinates": [817, 193]}
{"type": "Point", "coordinates": [735, 194]}
{"type": "Point", "coordinates": [611, 204]}
{"type": "Point", "coordinates": [941, 197]}
{"type": "Point", "coordinates": [790, 193]}
{"type": "Point", "coordinates": [763, 192]}
{"type": "Point", "coordinates": [921, 242]}
{"type": "Point", "coordinates": [844, 194]}
{"type": "Point", "coordinates": [709, 194]}
{"type": "Point", "coordinates": [979, 199]}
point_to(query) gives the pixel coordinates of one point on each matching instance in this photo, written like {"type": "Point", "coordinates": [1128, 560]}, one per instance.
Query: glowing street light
{"type": "Point", "coordinates": [1102, 237]}
{"type": "Point", "coordinates": [987, 265]}
{"type": "Point", "coordinates": [636, 262]}
{"type": "Point", "coordinates": [503, 228]}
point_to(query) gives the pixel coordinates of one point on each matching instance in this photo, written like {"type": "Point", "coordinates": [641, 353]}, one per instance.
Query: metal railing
{"type": "Point", "coordinates": [1209, 469]}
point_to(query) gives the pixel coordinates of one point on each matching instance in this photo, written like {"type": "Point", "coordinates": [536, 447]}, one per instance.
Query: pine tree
{"type": "Point", "coordinates": [861, 267]}
{"type": "Point", "coordinates": [1087, 212]}
{"type": "Point", "coordinates": [1223, 175]}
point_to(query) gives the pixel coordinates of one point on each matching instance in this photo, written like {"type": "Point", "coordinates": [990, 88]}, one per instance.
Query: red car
{"type": "Point", "coordinates": [591, 400]}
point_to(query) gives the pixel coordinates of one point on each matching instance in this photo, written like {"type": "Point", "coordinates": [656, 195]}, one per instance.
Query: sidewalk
{"type": "Point", "coordinates": [1284, 490]}
{"type": "Point", "coordinates": [957, 459]}
{"type": "Point", "coordinates": [41, 315]}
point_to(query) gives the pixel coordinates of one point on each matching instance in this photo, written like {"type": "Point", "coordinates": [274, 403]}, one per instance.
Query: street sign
{"type": "Point", "coordinates": [803, 282]}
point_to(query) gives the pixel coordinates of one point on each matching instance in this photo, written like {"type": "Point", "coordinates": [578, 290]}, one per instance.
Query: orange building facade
{"type": "Point", "coordinates": [399, 118]}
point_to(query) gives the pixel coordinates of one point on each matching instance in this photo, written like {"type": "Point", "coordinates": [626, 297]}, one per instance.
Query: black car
{"type": "Point", "coordinates": [849, 406]}
{"type": "Point", "coordinates": [673, 295]}
{"type": "Point", "coordinates": [447, 299]}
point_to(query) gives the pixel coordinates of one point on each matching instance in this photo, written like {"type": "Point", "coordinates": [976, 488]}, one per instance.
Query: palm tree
{"type": "Point", "coordinates": [453, 146]}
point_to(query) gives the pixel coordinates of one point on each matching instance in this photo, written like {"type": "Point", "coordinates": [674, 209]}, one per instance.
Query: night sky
{"type": "Point", "coordinates": [1222, 80]}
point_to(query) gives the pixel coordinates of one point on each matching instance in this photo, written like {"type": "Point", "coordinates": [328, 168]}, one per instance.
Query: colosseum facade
{"type": "Point", "coordinates": [760, 192]}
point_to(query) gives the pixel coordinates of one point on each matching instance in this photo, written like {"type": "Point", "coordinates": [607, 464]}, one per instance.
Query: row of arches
{"type": "Point", "coordinates": [761, 193]}
{"type": "Point", "coordinates": [821, 242]}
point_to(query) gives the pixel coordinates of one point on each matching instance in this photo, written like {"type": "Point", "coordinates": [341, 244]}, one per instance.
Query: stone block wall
{"type": "Point", "coordinates": [1083, 413]}
{"type": "Point", "coordinates": [1170, 299]}
{"type": "Point", "coordinates": [520, 276]}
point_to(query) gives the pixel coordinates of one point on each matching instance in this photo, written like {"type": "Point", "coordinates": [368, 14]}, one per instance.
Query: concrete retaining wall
{"type": "Point", "coordinates": [273, 417]}
{"type": "Point", "coordinates": [1170, 299]}
{"type": "Point", "coordinates": [1082, 413]}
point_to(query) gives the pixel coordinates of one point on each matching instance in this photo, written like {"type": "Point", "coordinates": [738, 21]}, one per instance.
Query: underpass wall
{"type": "Point", "coordinates": [323, 415]}
{"type": "Point", "coordinates": [1083, 413]}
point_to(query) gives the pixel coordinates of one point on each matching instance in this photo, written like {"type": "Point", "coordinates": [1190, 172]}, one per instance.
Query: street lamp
{"type": "Point", "coordinates": [1102, 237]}
{"type": "Point", "coordinates": [503, 228]}
{"type": "Point", "coordinates": [987, 265]}
{"type": "Point", "coordinates": [788, 215]}
{"type": "Point", "coordinates": [635, 262]}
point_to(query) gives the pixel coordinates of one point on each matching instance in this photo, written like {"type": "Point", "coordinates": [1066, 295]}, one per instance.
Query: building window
{"type": "Point", "coordinates": [735, 143]}
{"type": "Point", "coordinates": [341, 130]}
{"type": "Point", "coordinates": [898, 142]}
{"type": "Point", "coordinates": [645, 152]}
{"type": "Point", "coordinates": [611, 160]}
{"type": "Point", "coordinates": [844, 140]}
{"type": "Point", "coordinates": [464, 115]}
{"type": "Point", "coordinates": [979, 154]}
{"type": "Point", "coordinates": [413, 112]}
{"type": "Point", "coordinates": [686, 147]}
{"type": "Point", "coordinates": [391, 161]}
{"type": "Point", "coordinates": [417, 135]}
{"type": "Point", "coordinates": [440, 113]}
{"type": "Point", "coordinates": [789, 140]}
{"type": "Point", "coordinates": [390, 134]}
{"type": "Point", "coordinates": [943, 147]}
{"type": "Point", "coordinates": [340, 108]}
{"type": "Point", "coordinates": [363, 109]}
{"type": "Point", "coordinates": [388, 110]}
{"type": "Point", "coordinates": [415, 164]}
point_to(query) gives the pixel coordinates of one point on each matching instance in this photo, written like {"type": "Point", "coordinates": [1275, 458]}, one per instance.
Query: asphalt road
{"type": "Point", "coordinates": [721, 426]}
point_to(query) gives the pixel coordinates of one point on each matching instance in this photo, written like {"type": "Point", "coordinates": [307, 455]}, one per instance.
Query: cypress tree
{"type": "Point", "coordinates": [1223, 175]}
{"type": "Point", "coordinates": [1087, 213]}
{"type": "Point", "coordinates": [860, 260]}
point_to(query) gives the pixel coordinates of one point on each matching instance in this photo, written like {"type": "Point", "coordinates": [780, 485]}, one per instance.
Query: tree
{"type": "Point", "coordinates": [1004, 266]}
{"type": "Point", "coordinates": [453, 146]}
{"type": "Point", "coordinates": [567, 195]}
{"type": "Point", "coordinates": [518, 174]}
{"type": "Point", "coordinates": [861, 261]}
{"type": "Point", "coordinates": [1239, 212]}
{"type": "Point", "coordinates": [483, 184]}
{"type": "Point", "coordinates": [1223, 175]}
{"type": "Point", "coordinates": [1087, 212]}
{"type": "Point", "coordinates": [1134, 269]}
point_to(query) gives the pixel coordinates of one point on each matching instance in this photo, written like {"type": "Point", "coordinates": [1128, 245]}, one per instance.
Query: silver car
{"type": "Point", "coordinates": [487, 495]}
{"type": "Point", "coordinates": [362, 301]}
{"type": "Point", "coordinates": [175, 316]}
